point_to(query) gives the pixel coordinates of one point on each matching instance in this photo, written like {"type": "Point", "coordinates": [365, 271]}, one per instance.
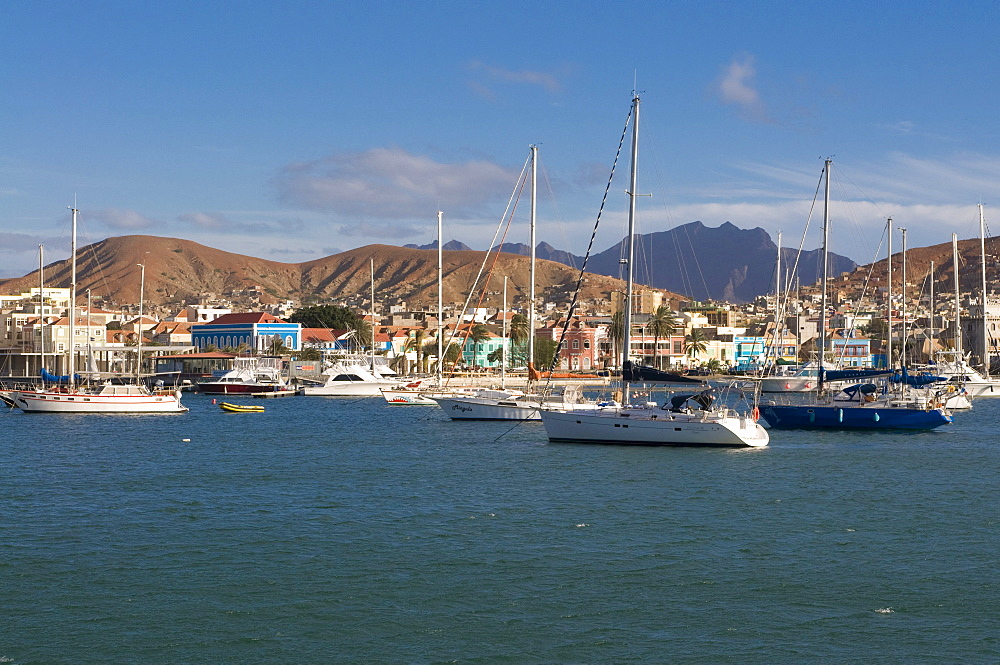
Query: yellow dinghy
{"type": "Point", "coordinates": [239, 408]}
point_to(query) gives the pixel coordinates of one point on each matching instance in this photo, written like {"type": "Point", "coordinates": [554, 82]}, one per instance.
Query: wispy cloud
{"type": "Point", "coordinates": [545, 80]}
{"type": "Point", "coordinates": [387, 233]}
{"type": "Point", "coordinates": [221, 222]}
{"type": "Point", "coordinates": [391, 183]}
{"type": "Point", "coordinates": [122, 219]}
{"type": "Point", "coordinates": [736, 86]}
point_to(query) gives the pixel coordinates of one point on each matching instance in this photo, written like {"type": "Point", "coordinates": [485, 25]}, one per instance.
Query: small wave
{"type": "Point", "coordinates": [884, 610]}
{"type": "Point", "coordinates": [582, 525]}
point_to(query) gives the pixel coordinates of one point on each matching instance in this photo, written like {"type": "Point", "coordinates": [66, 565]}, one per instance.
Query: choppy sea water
{"type": "Point", "coordinates": [350, 531]}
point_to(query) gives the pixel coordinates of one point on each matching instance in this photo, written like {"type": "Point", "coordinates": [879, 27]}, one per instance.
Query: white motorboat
{"type": "Point", "coordinates": [248, 376]}
{"type": "Point", "coordinates": [349, 380]}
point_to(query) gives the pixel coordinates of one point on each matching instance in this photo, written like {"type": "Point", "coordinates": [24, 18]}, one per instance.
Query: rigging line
{"type": "Point", "coordinates": [486, 283]}
{"type": "Point", "coordinates": [510, 429]}
{"type": "Point", "coordinates": [590, 246]}
{"type": "Point", "coordinates": [686, 286]}
{"type": "Point", "coordinates": [697, 264]}
{"type": "Point", "coordinates": [783, 306]}
{"type": "Point", "coordinates": [511, 203]}
{"type": "Point", "coordinates": [558, 215]}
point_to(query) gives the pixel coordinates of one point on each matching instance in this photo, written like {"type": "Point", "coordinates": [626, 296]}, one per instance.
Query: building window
{"type": "Point", "coordinates": [576, 344]}
{"type": "Point", "coordinates": [586, 343]}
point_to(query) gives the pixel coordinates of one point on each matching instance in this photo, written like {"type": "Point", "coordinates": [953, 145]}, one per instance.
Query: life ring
{"type": "Point", "coordinates": [756, 414]}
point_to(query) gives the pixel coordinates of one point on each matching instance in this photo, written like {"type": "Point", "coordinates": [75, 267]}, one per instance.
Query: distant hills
{"type": "Point", "coordinates": [723, 263]}
{"type": "Point", "coordinates": [179, 270]}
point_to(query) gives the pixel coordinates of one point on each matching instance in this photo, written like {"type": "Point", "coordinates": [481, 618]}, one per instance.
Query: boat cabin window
{"type": "Point", "coordinates": [347, 377]}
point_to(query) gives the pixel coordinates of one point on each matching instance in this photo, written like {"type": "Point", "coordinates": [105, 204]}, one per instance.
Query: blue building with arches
{"type": "Point", "coordinates": [257, 330]}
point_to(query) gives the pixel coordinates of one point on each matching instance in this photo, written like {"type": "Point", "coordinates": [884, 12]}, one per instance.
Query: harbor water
{"type": "Point", "coordinates": [329, 530]}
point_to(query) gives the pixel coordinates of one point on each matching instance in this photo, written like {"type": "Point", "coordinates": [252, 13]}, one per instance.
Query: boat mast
{"type": "Point", "coordinates": [933, 336]}
{"type": "Point", "coordinates": [888, 294]}
{"type": "Point", "coordinates": [440, 330]}
{"type": "Point", "coordinates": [826, 264]}
{"type": "Point", "coordinates": [372, 265]}
{"type": "Point", "coordinates": [779, 337]}
{"type": "Point", "coordinates": [503, 336]}
{"type": "Point", "coordinates": [958, 305]}
{"type": "Point", "coordinates": [627, 304]}
{"type": "Point", "coordinates": [138, 339]}
{"type": "Point", "coordinates": [41, 310]}
{"type": "Point", "coordinates": [531, 277]}
{"type": "Point", "coordinates": [902, 295]}
{"type": "Point", "coordinates": [72, 303]}
{"type": "Point", "coordinates": [982, 254]}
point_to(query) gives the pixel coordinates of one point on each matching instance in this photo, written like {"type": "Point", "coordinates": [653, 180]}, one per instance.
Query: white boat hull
{"type": "Point", "coordinates": [347, 389]}
{"type": "Point", "coordinates": [474, 408]}
{"type": "Point", "coordinates": [649, 427]}
{"type": "Point", "coordinates": [81, 402]}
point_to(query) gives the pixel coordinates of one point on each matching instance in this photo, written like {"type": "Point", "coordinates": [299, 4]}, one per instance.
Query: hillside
{"type": "Point", "coordinates": [183, 270]}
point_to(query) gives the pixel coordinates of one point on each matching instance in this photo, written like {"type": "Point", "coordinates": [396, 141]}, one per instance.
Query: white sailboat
{"type": "Point", "coordinates": [692, 419]}
{"type": "Point", "coordinates": [954, 364]}
{"type": "Point", "coordinates": [503, 404]}
{"type": "Point", "coordinates": [421, 393]}
{"type": "Point", "coordinates": [107, 398]}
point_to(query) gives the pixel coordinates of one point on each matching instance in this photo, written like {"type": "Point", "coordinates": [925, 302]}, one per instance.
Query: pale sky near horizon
{"type": "Point", "coordinates": [291, 131]}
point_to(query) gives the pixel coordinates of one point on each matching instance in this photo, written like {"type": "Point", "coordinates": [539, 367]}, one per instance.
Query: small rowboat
{"type": "Point", "coordinates": [240, 408]}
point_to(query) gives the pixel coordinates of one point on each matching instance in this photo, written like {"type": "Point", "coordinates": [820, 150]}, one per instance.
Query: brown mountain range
{"type": "Point", "coordinates": [182, 270]}
{"type": "Point", "coordinates": [918, 265]}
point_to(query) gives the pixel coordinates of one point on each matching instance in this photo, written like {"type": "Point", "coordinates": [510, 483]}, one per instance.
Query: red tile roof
{"type": "Point", "coordinates": [245, 317]}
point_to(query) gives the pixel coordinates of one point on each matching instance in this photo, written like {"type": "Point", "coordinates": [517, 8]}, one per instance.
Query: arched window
{"type": "Point", "coordinates": [576, 344]}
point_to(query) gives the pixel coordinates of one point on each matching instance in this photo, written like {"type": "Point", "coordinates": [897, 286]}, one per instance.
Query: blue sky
{"type": "Point", "coordinates": [294, 130]}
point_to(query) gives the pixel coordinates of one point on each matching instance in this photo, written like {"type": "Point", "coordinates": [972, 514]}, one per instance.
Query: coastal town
{"type": "Point", "coordinates": [195, 340]}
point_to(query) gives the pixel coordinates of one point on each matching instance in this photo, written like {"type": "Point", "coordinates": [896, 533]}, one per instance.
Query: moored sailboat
{"type": "Point", "coordinates": [686, 421]}
{"type": "Point", "coordinates": [106, 398]}
{"type": "Point", "coordinates": [865, 408]}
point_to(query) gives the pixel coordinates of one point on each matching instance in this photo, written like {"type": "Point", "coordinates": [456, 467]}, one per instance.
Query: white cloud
{"type": "Point", "coordinates": [391, 183]}
{"type": "Point", "coordinates": [221, 222]}
{"type": "Point", "coordinates": [122, 219]}
{"type": "Point", "coordinates": [736, 86]}
{"type": "Point", "coordinates": [545, 80]}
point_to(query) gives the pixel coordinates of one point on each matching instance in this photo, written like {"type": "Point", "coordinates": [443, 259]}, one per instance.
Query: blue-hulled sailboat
{"type": "Point", "coordinates": [860, 407]}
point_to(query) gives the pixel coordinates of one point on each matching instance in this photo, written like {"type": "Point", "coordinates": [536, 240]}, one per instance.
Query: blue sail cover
{"type": "Point", "coordinates": [639, 373]}
{"type": "Point", "coordinates": [853, 374]}
{"type": "Point", "coordinates": [52, 378]}
{"type": "Point", "coordinates": [916, 380]}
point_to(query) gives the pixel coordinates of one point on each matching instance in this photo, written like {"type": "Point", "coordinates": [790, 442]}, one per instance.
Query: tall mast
{"type": "Point", "coordinates": [138, 346]}
{"type": "Point", "coordinates": [902, 295]}
{"type": "Point", "coordinates": [41, 309]}
{"type": "Point", "coordinates": [933, 337]}
{"type": "Point", "coordinates": [826, 264]}
{"type": "Point", "coordinates": [888, 295]}
{"type": "Point", "coordinates": [627, 323]}
{"type": "Point", "coordinates": [778, 326]}
{"type": "Point", "coordinates": [440, 330]}
{"type": "Point", "coordinates": [958, 305]}
{"type": "Point", "coordinates": [72, 303]}
{"type": "Point", "coordinates": [531, 277]}
{"type": "Point", "coordinates": [372, 264]}
{"type": "Point", "coordinates": [503, 336]}
{"type": "Point", "coordinates": [982, 286]}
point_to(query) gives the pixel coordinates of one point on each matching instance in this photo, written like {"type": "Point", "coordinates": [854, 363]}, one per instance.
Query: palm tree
{"type": "Point", "coordinates": [418, 346]}
{"type": "Point", "coordinates": [662, 324]}
{"type": "Point", "coordinates": [518, 332]}
{"type": "Point", "coordinates": [695, 343]}
{"type": "Point", "coordinates": [478, 335]}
